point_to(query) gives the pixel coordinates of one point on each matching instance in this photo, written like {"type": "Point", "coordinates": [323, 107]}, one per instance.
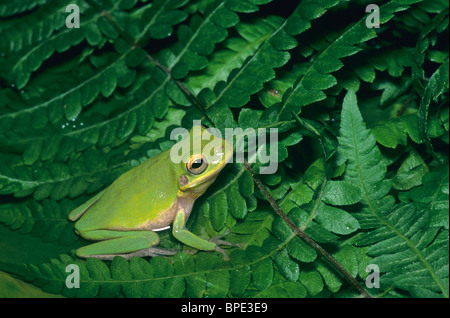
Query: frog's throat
{"type": "Point", "coordinates": [185, 204]}
{"type": "Point", "coordinates": [166, 217]}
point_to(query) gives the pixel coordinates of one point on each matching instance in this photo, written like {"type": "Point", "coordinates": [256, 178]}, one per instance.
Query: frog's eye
{"type": "Point", "coordinates": [196, 164]}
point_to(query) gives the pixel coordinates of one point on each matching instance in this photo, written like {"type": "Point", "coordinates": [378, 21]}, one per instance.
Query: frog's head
{"type": "Point", "coordinates": [207, 156]}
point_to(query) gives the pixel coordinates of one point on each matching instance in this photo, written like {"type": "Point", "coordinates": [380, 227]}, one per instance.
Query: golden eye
{"type": "Point", "coordinates": [196, 164]}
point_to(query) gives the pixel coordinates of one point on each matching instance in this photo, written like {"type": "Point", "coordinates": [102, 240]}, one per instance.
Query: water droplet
{"type": "Point", "coordinates": [12, 85]}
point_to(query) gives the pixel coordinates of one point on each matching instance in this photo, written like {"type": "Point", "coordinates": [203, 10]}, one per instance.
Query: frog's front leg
{"type": "Point", "coordinates": [185, 236]}
{"type": "Point", "coordinates": [119, 243]}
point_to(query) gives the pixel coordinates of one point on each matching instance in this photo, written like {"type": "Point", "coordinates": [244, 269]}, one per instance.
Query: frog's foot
{"type": "Point", "coordinates": [217, 248]}
{"type": "Point", "coordinates": [151, 252]}
{"type": "Point", "coordinates": [218, 241]}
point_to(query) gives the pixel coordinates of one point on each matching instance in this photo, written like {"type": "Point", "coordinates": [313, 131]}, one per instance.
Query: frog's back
{"type": "Point", "coordinates": [140, 195]}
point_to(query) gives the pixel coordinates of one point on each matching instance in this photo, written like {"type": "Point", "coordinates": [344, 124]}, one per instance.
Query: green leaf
{"type": "Point", "coordinates": [312, 281]}
{"type": "Point", "coordinates": [219, 211]}
{"type": "Point", "coordinates": [438, 83]}
{"type": "Point", "coordinates": [341, 193]}
{"type": "Point", "coordinates": [287, 267]}
{"type": "Point", "coordinates": [336, 220]}
{"type": "Point", "coordinates": [410, 173]}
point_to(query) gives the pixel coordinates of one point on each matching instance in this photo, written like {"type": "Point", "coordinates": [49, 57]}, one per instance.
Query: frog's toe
{"type": "Point", "coordinates": [153, 252]}
{"type": "Point", "coordinates": [217, 248]}
{"type": "Point", "coordinates": [146, 252]}
{"type": "Point", "coordinates": [218, 241]}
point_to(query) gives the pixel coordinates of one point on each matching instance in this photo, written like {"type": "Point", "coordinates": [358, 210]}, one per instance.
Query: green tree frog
{"type": "Point", "coordinates": [125, 217]}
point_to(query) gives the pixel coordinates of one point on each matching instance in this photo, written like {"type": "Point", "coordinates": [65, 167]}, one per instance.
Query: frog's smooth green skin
{"type": "Point", "coordinates": [125, 217]}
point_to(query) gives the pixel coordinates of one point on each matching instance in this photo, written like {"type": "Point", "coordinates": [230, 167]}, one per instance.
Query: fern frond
{"type": "Point", "coordinates": [437, 85]}
{"type": "Point", "coordinates": [11, 8]}
{"type": "Point", "coordinates": [237, 50]}
{"type": "Point", "coordinates": [310, 87]}
{"type": "Point", "coordinates": [23, 65]}
{"type": "Point", "coordinates": [47, 220]}
{"type": "Point", "coordinates": [23, 32]}
{"type": "Point", "coordinates": [400, 233]}
{"type": "Point", "coordinates": [432, 195]}
{"type": "Point", "coordinates": [199, 38]}
{"type": "Point", "coordinates": [258, 68]}
{"type": "Point", "coordinates": [88, 173]}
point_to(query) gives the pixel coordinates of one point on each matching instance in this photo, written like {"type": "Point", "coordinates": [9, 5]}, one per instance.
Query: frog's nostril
{"type": "Point", "coordinates": [183, 180]}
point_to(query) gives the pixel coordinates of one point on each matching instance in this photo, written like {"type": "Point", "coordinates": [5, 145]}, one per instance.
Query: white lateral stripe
{"type": "Point", "coordinates": [162, 229]}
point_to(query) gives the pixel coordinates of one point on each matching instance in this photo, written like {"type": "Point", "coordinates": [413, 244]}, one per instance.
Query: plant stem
{"type": "Point", "coordinates": [305, 237]}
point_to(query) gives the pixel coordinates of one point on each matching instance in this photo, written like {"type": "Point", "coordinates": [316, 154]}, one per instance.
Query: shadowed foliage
{"type": "Point", "coordinates": [362, 117]}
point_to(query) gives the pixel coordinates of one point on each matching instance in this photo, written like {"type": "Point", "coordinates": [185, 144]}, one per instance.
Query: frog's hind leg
{"type": "Point", "coordinates": [79, 211]}
{"type": "Point", "coordinates": [117, 243]}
